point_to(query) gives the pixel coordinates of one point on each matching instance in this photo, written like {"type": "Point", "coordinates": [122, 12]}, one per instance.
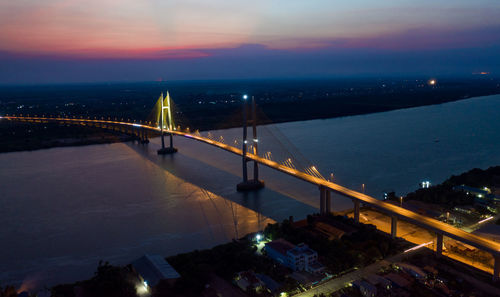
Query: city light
{"type": "Point", "coordinates": [245, 97]}
{"type": "Point", "coordinates": [258, 237]}
{"type": "Point", "coordinates": [418, 246]}
{"type": "Point", "coordinates": [425, 184]}
{"type": "Point", "coordinates": [432, 82]}
{"type": "Point", "coordinates": [485, 220]}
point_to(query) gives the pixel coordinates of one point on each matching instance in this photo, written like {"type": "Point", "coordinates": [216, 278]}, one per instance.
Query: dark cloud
{"type": "Point", "coordinates": [419, 51]}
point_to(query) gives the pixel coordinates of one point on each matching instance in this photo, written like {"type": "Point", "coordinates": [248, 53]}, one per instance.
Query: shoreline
{"type": "Point", "coordinates": [109, 139]}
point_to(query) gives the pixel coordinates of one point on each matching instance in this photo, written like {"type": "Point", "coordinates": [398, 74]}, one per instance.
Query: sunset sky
{"type": "Point", "coordinates": [129, 40]}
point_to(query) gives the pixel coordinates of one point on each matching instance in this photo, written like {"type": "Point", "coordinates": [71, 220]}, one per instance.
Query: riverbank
{"type": "Point", "coordinates": [357, 245]}
{"type": "Point", "coordinates": [28, 137]}
{"type": "Point", "coordinates": [136, 202]}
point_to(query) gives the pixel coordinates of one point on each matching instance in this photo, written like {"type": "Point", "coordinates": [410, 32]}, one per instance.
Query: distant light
{"type": "Point", "coordinates": [258, 237]}
{"type": "Point", "coordinates": [245, 97]}
{"type": "Point", "coordinates": [137, 125]}
{"type": "Point", "coordinates": [432, 82]}
{"type": "Point", "coordinates": [485, 220]}
{"type": "Point", "coordinates": [255, 140]}
{"type": "Point", "coordinates": [245, 141]}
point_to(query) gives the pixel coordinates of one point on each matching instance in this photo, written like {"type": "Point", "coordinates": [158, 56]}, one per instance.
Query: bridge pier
{"type": "Point", "coordinates": [394, 226]}
{"type": "Point", "coordinates": [255, 183]}
{"type": "Point", "coordinates": [328, 201]}
{"type": "Point", "coordinates": [144, 136]}
{"type": "Point", "coordinates": [324, 201]}
{"type": "Point", "coordinates": [439, 244]}
{"type": "Point", "coordinates": [167, 150]}
{"type": "Point", "coordinates": [356, 210]}
{"type": "Point", "coordinates": [496, 268]}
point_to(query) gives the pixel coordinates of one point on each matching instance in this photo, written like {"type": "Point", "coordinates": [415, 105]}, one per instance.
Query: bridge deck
{"type": "Point", "coordinates": [412, 217]}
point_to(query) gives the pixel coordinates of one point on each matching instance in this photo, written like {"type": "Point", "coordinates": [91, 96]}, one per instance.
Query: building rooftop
{"type": "Point", "coordinates": [329, 231]}
{"type": "Point", "coordinates": [280, 245]}
{"type": "Point", "coordinates": [154, 268]}
{"type": "Point", "coordinates": [397, 280]}
{"type": "Point", "coordinates": [302, 248]}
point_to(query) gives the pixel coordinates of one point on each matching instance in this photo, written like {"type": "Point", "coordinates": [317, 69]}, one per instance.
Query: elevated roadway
{"type": "Point", "coordinates": [441, 229]}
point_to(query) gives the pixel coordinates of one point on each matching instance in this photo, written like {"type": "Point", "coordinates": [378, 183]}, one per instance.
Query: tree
{"type": "Point", "coordinates": [8, 291]}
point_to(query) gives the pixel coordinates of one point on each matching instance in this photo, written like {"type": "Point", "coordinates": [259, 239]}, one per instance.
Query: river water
{"type": "Point", "coordinates": [64, 209]}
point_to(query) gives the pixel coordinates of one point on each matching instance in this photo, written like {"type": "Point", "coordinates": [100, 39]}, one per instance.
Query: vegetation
{"type": "Point", "coordinates": [108, 281]}
{"type": "Point", "coordinates": [223, 260]}
{"type": "Point", "coordinates": [8, 291]}
{"type": "Point", "coordinates": [217, 104]}
{"type": "Point", "coordinates": [364, 246]}
{"type": "Point", "coordinates": [27, 136]}
{"type": "Point", "coordinates": [444, 194]}
{"type": "Point", "coordinates": [360, 248]}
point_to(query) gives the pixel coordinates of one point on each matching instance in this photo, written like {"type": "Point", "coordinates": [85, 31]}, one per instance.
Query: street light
{"type": "Point", "coordinates": [245, 97]}
{"type": "Point", "coordinates": [401, 201]}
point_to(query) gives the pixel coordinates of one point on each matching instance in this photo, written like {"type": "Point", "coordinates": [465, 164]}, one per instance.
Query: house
{"type": "Point", "coordinates": [328, 231]}
{"type": "Point", "coordinates": [397, 280]}
{"type": "Point", "coordinates": [298, 258]}
{"type": "Point", "coordinates": [413, 270]}
{"type": "Point", "coordinates": [366, 289]}
{"type": "Point", "coordinates": [154, 268]}
{"type": "Point", "coordinates": [248, 281]}
{"type": "Point", "coordinates": [378, 280]}
{"type": "Point", "coordinates": [278, 249]}
{"type": "Point", "coordinates": [272, 286]}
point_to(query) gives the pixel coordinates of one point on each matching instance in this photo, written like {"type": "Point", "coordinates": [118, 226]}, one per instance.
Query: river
{"type": "Point", "coordinates": [64, 209]}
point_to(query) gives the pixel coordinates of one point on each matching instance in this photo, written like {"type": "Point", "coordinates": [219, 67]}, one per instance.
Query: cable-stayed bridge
{"type": "Point", "coordinates": [161, 122]}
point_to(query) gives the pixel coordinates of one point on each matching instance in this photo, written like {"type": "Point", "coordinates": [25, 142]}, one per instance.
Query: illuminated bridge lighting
{"type": "Point", "coordinates": [312, 176]}
{"type": "Point", "coordinates": [485, 220]}
{"type": "Point", "coordinates": [418, 246]}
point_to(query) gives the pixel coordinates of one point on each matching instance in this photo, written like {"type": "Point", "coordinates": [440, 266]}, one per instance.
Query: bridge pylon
{"type": "Point", "coordinates": [255, 183]}
{"type": "Point", "coordinates": [166, 122]}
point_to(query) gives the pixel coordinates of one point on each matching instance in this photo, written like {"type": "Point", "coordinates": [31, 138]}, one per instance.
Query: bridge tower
{"type": "Point", "coordinates": [166, 122]}
{"type": "Point", "coordinates": [255, 183]}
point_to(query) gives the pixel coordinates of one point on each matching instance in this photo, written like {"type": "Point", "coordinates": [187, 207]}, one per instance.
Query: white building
{"type": "Point", "coordinates": [298, 258]}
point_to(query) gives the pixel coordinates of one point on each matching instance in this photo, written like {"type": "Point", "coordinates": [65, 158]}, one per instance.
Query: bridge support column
{"type": "Point", "coordinates": [439, 244]}
{"type": "Point", "coordinates": [394, 226]}
{"type": "Point", "coordinates": [255, 183]}
{"type": "Point", "coordinates": [167, 150]}
{"type": "Point", "coordinates": [322, 200]}
{"type": "Point", "coordinates": [144, 136]}
{"type": "Point", "coordinates": [165, 104]}
{"type": "Point", "coordinates": [356, 210]}
{"type": "Point", "coordinates": [496, 268]}
{"type": "Point", "coordinates": [328, 201]}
